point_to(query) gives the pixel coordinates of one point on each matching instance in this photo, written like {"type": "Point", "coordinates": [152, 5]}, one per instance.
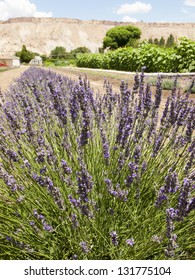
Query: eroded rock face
{"type": "Point", "coordinates": [41, 35]}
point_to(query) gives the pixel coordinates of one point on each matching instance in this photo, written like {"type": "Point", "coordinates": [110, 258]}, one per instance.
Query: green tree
{"type": "Point", "coordinates": [58, 52]}
{"type": "Point", "coordinates": [121, 36]}
{"type": "Point", "coordinates": [150, 41]}
{"type": "Point", "coordinates": [44, 57]}
{"type": "Point", "coordinates": [79, 50]}
{"type": "Point", "coordinates": [162, 42]}
{"type": "Point", "coordinates": [170, 41]}
{"type": "Point", "coordinates": [25, 55]}
{"type": "Point", "coordinates": [156, 42]}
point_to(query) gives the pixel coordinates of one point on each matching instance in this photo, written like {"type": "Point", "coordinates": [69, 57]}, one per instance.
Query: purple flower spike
{"type": "Point", "coordinates": [65, 167]}
{"type": "Point", "coordinates": [130, 242]}
{"type": "Point", "coordinates": [191, 205]}
{"type": "Point", "coordinates": [84, 247]}
{"type": "Point", "coordinates": [47, 227]}
{"type": "Point", "coordinates": [114, 237]}
{"type": "Point", "coordinates": [183, 198]}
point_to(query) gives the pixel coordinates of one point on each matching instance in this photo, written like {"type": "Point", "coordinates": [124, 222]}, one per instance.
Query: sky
{"type": "Point", "coordinates": [115, 10]}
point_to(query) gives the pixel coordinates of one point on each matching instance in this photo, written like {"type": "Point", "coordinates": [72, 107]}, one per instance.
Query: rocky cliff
{"type": "Point", "coordinates": [44, 34]}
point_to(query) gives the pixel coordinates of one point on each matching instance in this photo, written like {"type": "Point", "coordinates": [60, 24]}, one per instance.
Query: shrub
{"type": "Point", "coordinates": [156, 59]}
{"type": "Point", "coordinates": [95, 177]}
{"type": "Point", "coordinates": [128, 59]}
{"type": "Point", "coordinates": [185, 55]}
{"type": "Point", "coordinates": [170, 41]}
{"type": "Point", "coordinates": [78, 50]}
{"type": "Point", "coordinates": [58, 52]}
{"type": "Point", "coordinates": [121, 36]}
{"type": "Point", "coordinates": [25, 55]}
{"type": "Point", "coordinates": [190, 88]}
{"type": "Point", "coordinates": [90, 60]}
{"type": "Point", "coordinates": [167, 83]}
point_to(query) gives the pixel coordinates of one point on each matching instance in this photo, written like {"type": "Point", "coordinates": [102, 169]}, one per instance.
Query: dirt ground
{"type": "Point", "coordinates": [7, 77]}
{"type": "Point", "coordinates": [96, 78]}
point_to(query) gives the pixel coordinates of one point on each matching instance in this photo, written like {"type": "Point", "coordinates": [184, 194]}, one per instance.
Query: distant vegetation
{"type": "Point", "coordinates": [178, 58]}
{"type": "Point", "coordinates": [57, 57]}
{"type": "Point", "coordinates": [25, 55]}
{"type": "Point", "coordinates": [122, 50]}
{"type": "Point", "coordinates": [169, 43]}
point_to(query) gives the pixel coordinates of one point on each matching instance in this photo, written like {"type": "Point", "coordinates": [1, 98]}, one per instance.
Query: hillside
{"type": "Point", "coordinates": [44, 34]}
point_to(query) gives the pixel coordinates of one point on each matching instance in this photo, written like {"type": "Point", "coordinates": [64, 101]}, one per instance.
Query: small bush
{"type": "Point", "coordinates": [95, 177]}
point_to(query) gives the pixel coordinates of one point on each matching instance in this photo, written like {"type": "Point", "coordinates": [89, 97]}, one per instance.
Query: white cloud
{"type": "Point", "coordinates": [190, 3]}
{"type": "Point", "coordinates": [20, 8]}
{"type": "Point", "coordinates": [129, 19]}
{"type": "Point", "coordinates": [134, 8]}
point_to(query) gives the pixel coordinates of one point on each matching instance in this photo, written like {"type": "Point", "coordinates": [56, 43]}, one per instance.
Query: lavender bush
{"type": "Point", "coordinates": [85, 176]}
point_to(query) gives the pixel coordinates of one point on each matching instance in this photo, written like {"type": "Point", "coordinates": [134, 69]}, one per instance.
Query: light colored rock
{"type": "Point", "coordinates": [41, 35]}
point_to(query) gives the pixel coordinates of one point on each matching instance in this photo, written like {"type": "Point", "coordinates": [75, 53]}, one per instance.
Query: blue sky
{"type": "Point", "coordinates": [116, 10]}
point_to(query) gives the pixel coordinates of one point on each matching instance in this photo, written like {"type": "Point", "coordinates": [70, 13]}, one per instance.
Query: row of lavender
{"type": "Point", "coordinates": [95, 176]}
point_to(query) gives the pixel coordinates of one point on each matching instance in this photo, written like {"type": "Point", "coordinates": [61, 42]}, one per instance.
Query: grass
{"type": "Point", "coordinates": [2, 69]}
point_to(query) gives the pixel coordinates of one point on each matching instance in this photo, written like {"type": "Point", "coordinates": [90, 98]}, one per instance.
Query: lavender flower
{"type": "Point", "coordinates": [108, 183]}
{"type": "Point", "coordinates": [121, 160]}
{"type": "Point", "coordinates": [105, 146]}
{"type": "Point", "coordinates": [40, 156]}
{"type": "Point", "coordinates": [114, 238]}
{"type": "Point", "coordinates": [165, 111]}
{"type": "Point", "coordinates": [171, 215]}
{"type": "Point", "coordinates": [84, 183]}
{"type": "Point", "coordinates": [137, 154]}
{"type": "Point", "coordinates": [12, 155]}
{"type": "Point", "coordinates": [75, 257]}
{"type": "Point", "coordinates": [65, 167]}
{"type": "Point", "coordinates": [20, 199]}
{"type": "Point", "coordinates": [130, 242]}
{"type": "Point", "coordinates": [133, 170]}
{"type": "Point", "coordinates": [157, 144]}
{"type": "Point", "coordinates": [74, 220]}
{"type": "Point", "coordinates": [144, 167]}
{"type": "Point", "coordinates": [158, 93]}
{"type": "Point", "coordinates": [47, 227]}
{"type": "Point", "coordinates": [157, 239]}
{"type": "Point", "coordinates": [43, 170]}
{"type": "Point", "coordinates": [191, 205]}
{"type": "Point", "coordinates": [74, 201]}
{"type": "Point", "coordinates": [117, 192]}
{"type": "Point", "coordinates": [84, 247]}
{"type": "Point", "coordinates": [40, 217]}
{"type": "Point", "coordinates": [26, 163]}
{"type": "Point", "coordinates": [85, 133]}
{"type": "Point", "coordinates": [147, 100]}
{"type": "Point", "coordinates": [171, 186]}
{"type": "Point", "coordinates": [183, 198]}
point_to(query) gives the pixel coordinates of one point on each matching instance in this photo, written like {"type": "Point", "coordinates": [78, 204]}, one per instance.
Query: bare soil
{"type": "Point", "coordinates": [7, 77]}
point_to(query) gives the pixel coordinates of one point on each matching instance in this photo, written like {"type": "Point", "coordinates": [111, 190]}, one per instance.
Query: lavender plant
{"type": "Point", "coordinates": [87, 176]}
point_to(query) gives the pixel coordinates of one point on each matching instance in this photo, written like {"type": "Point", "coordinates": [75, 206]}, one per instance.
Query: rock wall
{"type": "Point", "coordinates": [41, 35]}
